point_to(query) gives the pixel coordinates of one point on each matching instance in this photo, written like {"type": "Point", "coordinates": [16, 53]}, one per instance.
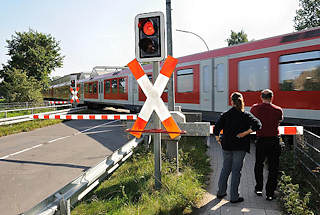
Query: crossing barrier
{"type": "Point", "coordinates": [283, 130]}
{"type": "Point", "coordinates": [86, 116]}
{"type": "Point", "coordinates": [58, 102]}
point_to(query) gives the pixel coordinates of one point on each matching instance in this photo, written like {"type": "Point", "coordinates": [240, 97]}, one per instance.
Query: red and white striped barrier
{"type": "Point", "coordinates": [58, 102]}
{"type": "Point", "coordinates": [86, 116]}
{"type": "Point", "coordinates": [154, 101]}
{"type": "Point", "coordinates": [283, 130]}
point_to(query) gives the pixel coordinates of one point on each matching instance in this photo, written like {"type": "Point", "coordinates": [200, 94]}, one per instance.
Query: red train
{"type": "Point", "coordinates": [288, 64]}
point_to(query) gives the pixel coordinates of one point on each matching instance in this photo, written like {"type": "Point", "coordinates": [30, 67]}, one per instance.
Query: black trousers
{"type": "Point", "coordinates": [267, 148]}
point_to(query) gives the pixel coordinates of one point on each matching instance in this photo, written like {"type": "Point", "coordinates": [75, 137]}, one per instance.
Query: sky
{"type": "Point", "coordinates": [101, 32]}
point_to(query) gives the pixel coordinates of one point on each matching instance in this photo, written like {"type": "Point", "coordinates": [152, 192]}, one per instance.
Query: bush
{"type": "Point", "coordinates": [290, 199]}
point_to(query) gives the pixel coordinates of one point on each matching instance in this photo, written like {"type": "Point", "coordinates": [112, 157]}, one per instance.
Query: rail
{"type": "Point", "coordinates": [14, 105]}
{"type": "Point", "coordinates": [61, 201]}
{"type": "Point", "coordinates": [307, 154]}
{"type": "Point", "coordinates": [32, 109]}
{"type": "Point", "coordinates": [18, 119]}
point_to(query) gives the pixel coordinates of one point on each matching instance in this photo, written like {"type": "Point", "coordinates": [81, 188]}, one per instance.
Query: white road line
{"type": "Point", "coordinates": [88, 129]}
{"type": "Point", "coordinates": [96, 132]}
{"type": "Point", "coordinates": [19, 152]}
{"type": "Point", "coordinates": [60, 138]}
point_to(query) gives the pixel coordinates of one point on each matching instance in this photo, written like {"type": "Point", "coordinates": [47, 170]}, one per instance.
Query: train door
{"type": "Point", "coordinates": [101, 89]}
{"type": "Point", "coordinates": [82, 92]}
{"type": "Point", "coordinates": [206, 85]}
{"type": "Point", "coordinates": [220, 88]}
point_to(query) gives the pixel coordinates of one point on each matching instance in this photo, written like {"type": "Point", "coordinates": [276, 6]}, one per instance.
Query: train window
{"type": "Point", "coordinates": [90, 88]}
{"type": "Point", "coordinates": [86, 90]}
{"type": "Point", "coordinates": [220, 78]}
{"type": "Point", "coordinates": [253, 75]}
{"type": "Point", "coordinates": [94, 88]}
{"type": "Point", "coordinates": [205, 78]}
{"type": "Point", "coordinates": [300, 72]}
{"type": "Point", "coordinates": [122, 85]}
{"type": "Point", "coordinates": [185, 80]}
{"type": "Point", "coordinates": [114, 86]}
{"type": "Point", "coordinates": [107, 87]}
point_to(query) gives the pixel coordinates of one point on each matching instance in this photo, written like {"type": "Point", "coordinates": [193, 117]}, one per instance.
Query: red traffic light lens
{"type": "Point", "coordinates": [148, 28]}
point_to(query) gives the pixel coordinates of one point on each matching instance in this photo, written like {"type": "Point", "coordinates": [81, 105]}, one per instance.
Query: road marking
{"type": "Point", "coordinates": [88, 129]}
{"type": "Point", "coordinates": [96, 132]}
{"type": "Point", "coordinates": [60, 138]}
{"type": "Point", "coordinates": [19, 152]}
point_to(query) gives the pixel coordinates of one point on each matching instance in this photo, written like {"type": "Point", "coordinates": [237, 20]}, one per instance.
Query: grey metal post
{"type": "Point", "coordinates": [157, 137]}
{"type": "Point", "coordinates": [295, 149]}
{"type": "Point", "coordinates": [171, 95]}
{"type": "Point", "coordinates": [172, 146]}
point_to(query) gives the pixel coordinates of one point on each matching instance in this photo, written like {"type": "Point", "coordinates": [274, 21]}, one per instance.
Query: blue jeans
{"type": "Point", "coordinates": [232, 162]}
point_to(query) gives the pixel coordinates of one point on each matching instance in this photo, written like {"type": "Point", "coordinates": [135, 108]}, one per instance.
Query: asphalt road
{"type": "Point", "coordinates": [35, 164]}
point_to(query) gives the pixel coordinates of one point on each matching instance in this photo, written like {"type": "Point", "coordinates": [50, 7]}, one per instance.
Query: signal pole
{"type": "Point", "coordinates": [171, 95]}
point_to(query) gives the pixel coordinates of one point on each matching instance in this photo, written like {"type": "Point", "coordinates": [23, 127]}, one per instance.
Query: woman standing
{"type": "Point", "coordinates": [236, 125]}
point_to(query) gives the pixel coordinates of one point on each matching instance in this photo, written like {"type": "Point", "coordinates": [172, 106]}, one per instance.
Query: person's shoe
{"type": "Point", "coordinates": [240, 199]}
{"type": "Point", "coordinates": [221, 196]}
{"type": "Point", "coordinates": [269, 198]}
{"type": "Point", "coordinates": [258, 192]}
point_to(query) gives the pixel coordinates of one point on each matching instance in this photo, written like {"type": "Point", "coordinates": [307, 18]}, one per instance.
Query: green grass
{"type": "Point", "coordinates": [26, 126]}
{"type": "Point", "coordinates": [130, 190]}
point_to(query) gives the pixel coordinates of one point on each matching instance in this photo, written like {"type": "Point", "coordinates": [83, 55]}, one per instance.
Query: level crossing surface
{"type": "Point", "coordinates": [252, 204]}
{"type": "Point", "coordinates": [35, 164]}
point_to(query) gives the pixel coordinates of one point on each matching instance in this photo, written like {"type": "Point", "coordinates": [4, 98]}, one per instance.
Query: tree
{"type": "Point", "coordinates": [236, 38]}
{"type": "Point", "coordinates": [20, 88]}
{"type": "Point", "coordinates": [34, 53]}
{"type": "Point", "coordinates": [308, 16]}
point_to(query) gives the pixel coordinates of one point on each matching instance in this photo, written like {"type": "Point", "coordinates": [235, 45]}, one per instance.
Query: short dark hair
{"type": "Point", "coordinates": [266, 94]}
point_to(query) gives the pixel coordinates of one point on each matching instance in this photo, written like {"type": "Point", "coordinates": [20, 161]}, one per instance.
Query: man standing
{"type": "Point", "coordinates": [267, 145]}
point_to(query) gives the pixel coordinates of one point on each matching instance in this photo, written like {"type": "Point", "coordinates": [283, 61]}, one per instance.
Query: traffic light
{"type": "Point", "coordinates": [150, 40]}
{"type": "Point", "coordinates": [73, 83]}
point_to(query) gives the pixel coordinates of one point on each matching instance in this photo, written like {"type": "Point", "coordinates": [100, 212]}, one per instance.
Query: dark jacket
{"type": "Point", "coordinates": [234, 122]}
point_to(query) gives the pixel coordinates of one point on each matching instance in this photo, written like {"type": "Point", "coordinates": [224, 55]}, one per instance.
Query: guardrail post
{"type": "Point", "coordinates": [6, 114]}
{"type": "Point", "coordinates": [64, 207]}
{"type": "Point", "coordinates": [295, 149]}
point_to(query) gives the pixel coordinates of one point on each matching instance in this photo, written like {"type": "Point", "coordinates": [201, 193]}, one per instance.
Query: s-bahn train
{"type": "Point", "coordinates": [288, 64]}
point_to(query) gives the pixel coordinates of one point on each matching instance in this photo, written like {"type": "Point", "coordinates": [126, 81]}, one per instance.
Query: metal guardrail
{"type": "Point", "coordinates": [307, 153]}
{"type": "Point", "coordinates": [61, 201]}
{"type": "Point", "coordinates": [14, 105]}
{"type": "Point", "coordinates": [17, 119]}
{"type": "Point", "coordinates": [32, 109]}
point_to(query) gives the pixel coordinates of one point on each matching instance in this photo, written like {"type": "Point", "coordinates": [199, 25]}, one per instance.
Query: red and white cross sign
{"type": "Point", "coordinates": [74, 95]}
{"type": "Point", "coordinates": [154, 101]}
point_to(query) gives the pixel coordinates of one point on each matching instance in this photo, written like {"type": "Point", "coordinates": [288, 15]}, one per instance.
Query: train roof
{"type": "Point", "coordinates": [298, 36]}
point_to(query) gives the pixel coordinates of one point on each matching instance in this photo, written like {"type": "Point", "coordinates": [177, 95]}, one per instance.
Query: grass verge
{"type": "Point", "coordinates": [26, 126]}
{"type": "Point", "coordinates": [130, 190]}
